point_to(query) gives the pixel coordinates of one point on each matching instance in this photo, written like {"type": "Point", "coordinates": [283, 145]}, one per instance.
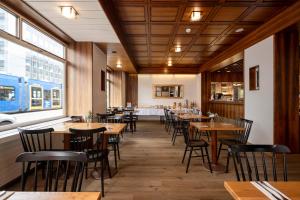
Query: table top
{"type": "Point", "coordinates": [216, 126]}
{"type": "Point", "coordinates": [52, 195]}
{"type": "Point", "coordinates": [112, 128]}
{"type": "Point", "coordinates": [192, 116]}
{"type": "Point", "coordinates": [246, 191]}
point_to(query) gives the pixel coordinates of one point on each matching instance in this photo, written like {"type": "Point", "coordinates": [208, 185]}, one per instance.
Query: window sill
{"type": "Point", "coordinates": [13, 134]}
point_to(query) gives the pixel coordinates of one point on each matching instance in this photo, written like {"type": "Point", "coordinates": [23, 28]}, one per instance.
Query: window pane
{"type": "Point", "coordinates": [8, 22]}
{"type": "Point", "coordinates": [29, 81]}
{"type": "Point", "coordinates": [39, 39]}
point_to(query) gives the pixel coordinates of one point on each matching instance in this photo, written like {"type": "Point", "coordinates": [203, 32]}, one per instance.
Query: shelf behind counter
{"type": "Point", "coordinates": [228, 109]}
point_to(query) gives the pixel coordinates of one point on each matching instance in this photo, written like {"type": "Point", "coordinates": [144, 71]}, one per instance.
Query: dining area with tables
{"type": "Point", "coordinates": [149, 99]}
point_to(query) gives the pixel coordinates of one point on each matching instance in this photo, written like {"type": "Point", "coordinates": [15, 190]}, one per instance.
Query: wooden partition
{"type": "Point", "coordinates": [286, 89]}
{"type": "Point", "coordinates": [132, 89]}
{"type": "Point", "coordinates": [232, 110]}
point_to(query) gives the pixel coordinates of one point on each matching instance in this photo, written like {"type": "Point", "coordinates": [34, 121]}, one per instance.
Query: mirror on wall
{"type": "Point", "coordinates": [168, 91]}
{"type": "Point", "coordinates": [254, 78]}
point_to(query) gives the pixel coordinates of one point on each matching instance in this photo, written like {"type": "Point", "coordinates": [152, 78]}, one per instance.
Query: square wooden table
{"type": "Point", "coordinates": [213, 128]}
{"type": "Point", "coordinates": [246, 191]}
{"type": "Point", "coordinates": [10, 195]}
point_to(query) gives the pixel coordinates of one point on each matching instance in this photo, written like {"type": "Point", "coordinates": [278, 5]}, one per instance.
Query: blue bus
{"type": "Point", "coordinates": [18, 95]}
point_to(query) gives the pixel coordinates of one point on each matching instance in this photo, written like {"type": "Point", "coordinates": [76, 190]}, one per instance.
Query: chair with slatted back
{"type": "Point", "coordinates": [252, 162]}
{"type": "Point", "coordinates": [55, 168]}
{"type": "Point", "coordinates": [77, 118]}
{"type": "Point", "coordinates": [192, 144]}
{"type": "Point", "coordinates": [94, 143]}
{"type": "Point", "coordinates": [240, 138]}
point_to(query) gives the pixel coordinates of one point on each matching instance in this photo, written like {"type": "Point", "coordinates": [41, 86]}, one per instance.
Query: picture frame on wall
{"type": "Point", "coordinates": [254, 78]}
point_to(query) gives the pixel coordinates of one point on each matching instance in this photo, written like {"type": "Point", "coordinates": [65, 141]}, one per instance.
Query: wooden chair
{"type": "Point", "coordinates": [241, 139]}
{"type": "Point", "coordinates": [167, 120]}
{"type": "Point", "coordinates": [77, 119]}
{"type": "Point", "coordinates": [249, 159]}
{"type": "Point", "coordinates": [94, 143]}
{"type": "Point", "coordinates": [130, 120]}
{"type": "Point", "coordinates": [177, 127]}
{"type": "Point", "coordinates": [54, 168]}
{"type": "Point", "coordinates": [192, 143]}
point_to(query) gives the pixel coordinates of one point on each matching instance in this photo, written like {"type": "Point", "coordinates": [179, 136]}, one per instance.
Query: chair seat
{"type": "Point", "coordinates": [229, 142]}
{"type": "Point", "coordinates": [92, 154]}
{"type": "Point", "coordinates": [198, 143]}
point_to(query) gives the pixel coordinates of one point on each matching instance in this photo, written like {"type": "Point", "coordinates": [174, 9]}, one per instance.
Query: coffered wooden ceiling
{"type": "Point", "coordinates": [150, 29]}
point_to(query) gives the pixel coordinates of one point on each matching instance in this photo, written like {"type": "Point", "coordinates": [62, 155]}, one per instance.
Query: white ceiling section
{"type": "Point", "coordinates": [91, 24]}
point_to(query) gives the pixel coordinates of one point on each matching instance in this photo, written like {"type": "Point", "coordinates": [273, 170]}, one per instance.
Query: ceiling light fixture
{"type": "Point", "coordinates": [196, 16]}
{"type": "Point", "coordinates": [228, 71]}
{"type": "Point", "coordinates": [119, 65]}
{"type": "Point", "coordinates": [188, 30]}
{"type": "Point", "coordinates": [69, 12]}
{"type": "Point", "coordinates": [239, 30]}
{"type": "Point", "coordinates": [169, 63]}
{"type": "Point", "coordinates": [177, 49]}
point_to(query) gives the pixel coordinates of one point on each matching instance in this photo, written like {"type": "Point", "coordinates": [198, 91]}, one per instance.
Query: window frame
{"type": "Point", "coordinates": [17, 22]}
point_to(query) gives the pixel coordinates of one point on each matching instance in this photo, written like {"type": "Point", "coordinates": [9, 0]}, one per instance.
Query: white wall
{"type": "Point", "coordinates": [259, 103]}
{"type": "Point", "coordinates": [191, 83]}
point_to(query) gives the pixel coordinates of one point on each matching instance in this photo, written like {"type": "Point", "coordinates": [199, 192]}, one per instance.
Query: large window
{"type": "Point", "coordinates": [39, 39]}
{"type": "Point", "coordinates": [31, 82]}
{"type": "Point", "coordinates": [8, 22]}
{"type": "Point", "coordinates": [108, 87]}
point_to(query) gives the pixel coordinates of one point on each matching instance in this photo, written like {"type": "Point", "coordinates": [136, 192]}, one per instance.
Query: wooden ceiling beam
{"type": "Point", "coordinates": [112, 15]}
{"type": "Point", "coordinates": [284, 19]}
{"type": "Point", "coordinates": [168, 70]}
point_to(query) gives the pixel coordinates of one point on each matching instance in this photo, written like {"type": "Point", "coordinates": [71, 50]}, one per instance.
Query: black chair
{"type": "Point", "coordinates": [77, 119]}
{"type": "Point", "coordinates": [241, 138]}
{"type": "Point", "coordinates": [193, 143]}
{"type": "Point", "coordinates": [103, 117]}
{"type": "Point", "coordinates": [177, 127]}
{"type": "Point", "coordinates": [251, 161]}
{"type": "Point", "coordinates": [130, 121]}
{"type": "Point", "coordinates": [167, 120]}
{"type": "Point", "coordinates": [36, 140]}
{"type": "Point", "coordinates": [94, 144]}
{"type": "Point", "coordinates": [55, 161]}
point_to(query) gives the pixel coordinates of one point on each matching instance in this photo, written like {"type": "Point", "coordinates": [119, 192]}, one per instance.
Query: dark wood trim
{"type": "Point", "coordinates": [286, 18]}
{"type": "Point", "coordinates": [286, 89]}
{"type": "Point", "coordinates": [168, 70]}
{"type": "Point", "coordinates": [36, 18]}
{"type": "Point", "coordinates": [205, 91]}
{"type": "Point", "coordinates": [112, 15]}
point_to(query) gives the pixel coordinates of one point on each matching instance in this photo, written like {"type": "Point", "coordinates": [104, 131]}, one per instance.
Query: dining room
{"type": "Point", "coordinates": [149, 99]}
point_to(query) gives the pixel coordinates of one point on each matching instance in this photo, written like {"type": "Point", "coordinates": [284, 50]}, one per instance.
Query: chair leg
{"type": "Point", "coordinates": [174, 136]}
{"type": "Point", "coordinates": [202, 155]}
{"type": "Point", "coordinates": [108, 167]}
{"type": "Point", "coordinates": [86, 170]}
{"type": "Point", "coordinates": [227, 162]}
{"type": "Point", "coordinates": [186, 147]}
{"type": "Point", "coordinates": [115, 155]}
{"type": "Point", "coordinates": [209, 163]}
{"type": "Point", "coordinates": [118, 149]}
{"type": "Point", "coordinates": [189, 160]}
{"type": "Point", "coordinates": [102, 178]}
{"type": "Point", "coordinates": [219, 151]}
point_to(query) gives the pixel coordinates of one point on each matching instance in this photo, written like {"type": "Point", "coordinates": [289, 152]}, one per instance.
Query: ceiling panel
{"type": "Point", "coordinates": [155, 27]}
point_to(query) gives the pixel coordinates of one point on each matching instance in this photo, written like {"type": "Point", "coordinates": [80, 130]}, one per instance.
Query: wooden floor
{"type": "Point", "coordinates": [150, 168]}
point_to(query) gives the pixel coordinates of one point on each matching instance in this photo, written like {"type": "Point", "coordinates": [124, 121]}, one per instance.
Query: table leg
{"type": "Point", "coordinates": [214, 150]}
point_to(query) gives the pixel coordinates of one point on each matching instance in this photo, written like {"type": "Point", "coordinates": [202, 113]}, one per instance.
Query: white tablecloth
{"type": "Point", "coordinates": [150, 111]}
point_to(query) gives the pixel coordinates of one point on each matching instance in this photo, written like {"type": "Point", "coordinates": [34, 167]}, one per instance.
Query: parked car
{"type": "Point", "coordinates": [6, 119]}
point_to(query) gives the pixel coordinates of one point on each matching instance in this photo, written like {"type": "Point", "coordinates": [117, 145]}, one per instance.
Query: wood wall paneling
{"type": "Point", "coordinates": [132, 89]}
{"type": "Point", "coordinates": [79, 78]}
{"type": "Point", "coordinates": [227, 77]}
{"type": "Point", "coordinates": [281, 21]}
{"type": "Point", "coordinates": [227, 109]}
{"type": "Point", "coordinates": [286, 89]}
{"type": "Point", "coordinates": [205, 91]}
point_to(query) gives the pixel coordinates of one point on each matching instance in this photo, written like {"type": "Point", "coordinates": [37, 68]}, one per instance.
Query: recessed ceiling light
{"type": "Point", "coordinates": [219, 71]}
{"type": "Point", "coordinates": [169, 63]}
{"type": "Point", "coordinates": [228, 71]}
{"type": "Point", "coordinates": [69, 12]}
{"type": "Point", "coordinates": [119, 65]}
{"type": "Point", "coordinates": [177, 49]}
{"type": "Point", "coordinates": [235, 64]}
{"type": "Point", "coordinates": [196, 16]}
{"type": "Point", "coordinates": [188, 30]}
{"type": "Point", "coordinates": [239, 30]}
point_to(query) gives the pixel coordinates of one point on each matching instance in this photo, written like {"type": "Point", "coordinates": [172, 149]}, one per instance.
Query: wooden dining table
{"type": "Point", "coordinates": [190, 116]}
{"type": "Point", "coordinates": [247, 191]}
{"type": "Point", "coordinates": [64, 128]}
{"type": "Point", "coordinates": [11, 195]}
{"type": "Point", "coordinates": [214, 128]}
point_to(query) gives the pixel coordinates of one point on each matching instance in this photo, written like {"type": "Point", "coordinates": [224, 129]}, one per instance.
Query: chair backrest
{"type": "Point", "coordinates": [57, 163]}
{"type": "Point", "coordinates": [244, 136]}
{"type": "Point", "coordinates": [185, 131]}
{"type": "Point", "coordinates": [252, 162]}
{"type": "Point", "coordinates": [36, 140]}
{"type": "Point", "coordinates": [84, 140]}
{"type": "Point", "coordinates": [77, 118]}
